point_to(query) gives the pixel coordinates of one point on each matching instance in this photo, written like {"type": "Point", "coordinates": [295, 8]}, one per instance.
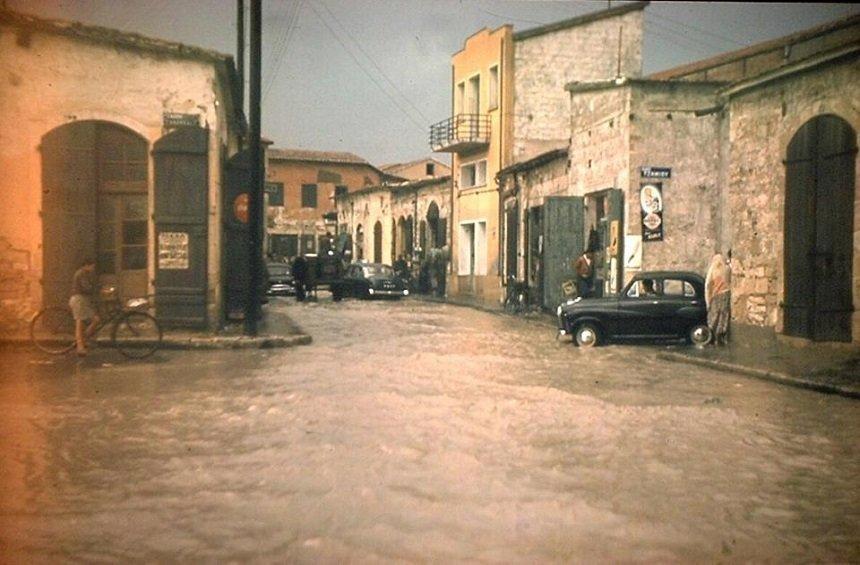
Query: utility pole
{"type": "Point", "coordinates": [255, 190]}
{"type": "Point", "coordinates": [240, 51]}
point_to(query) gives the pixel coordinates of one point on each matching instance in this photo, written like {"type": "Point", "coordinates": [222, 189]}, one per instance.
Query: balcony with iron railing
{"type": "Point", "coordinates": [461, 133]}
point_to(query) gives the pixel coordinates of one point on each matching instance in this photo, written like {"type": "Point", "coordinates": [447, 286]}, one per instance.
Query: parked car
{"type": "Point", "coordinates": [654, 305]}
{"type": "Point", "coordinates": [368, 280]}
{"type": "Point", "coordinates": [281, 281]}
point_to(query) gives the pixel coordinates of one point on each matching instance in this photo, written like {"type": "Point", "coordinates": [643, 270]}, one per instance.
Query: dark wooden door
{"type": "Point", "coordinates": [563, 242]}
{"type": "Point", "coordinates": [377, 242]}
{"type": "Point", "coordinates": [181, 227]}
{"type": "Point", "coordinates": [819, 228]}
{"type": "Point", "coordinates": [68, 207]}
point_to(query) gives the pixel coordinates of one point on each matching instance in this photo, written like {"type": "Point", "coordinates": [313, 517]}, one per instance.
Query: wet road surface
{"type": "Point", "coordinates": [413, 431]}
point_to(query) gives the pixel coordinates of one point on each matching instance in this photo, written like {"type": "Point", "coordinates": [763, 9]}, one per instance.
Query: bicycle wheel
{"type": "Point", "coordinates": [136, 335]}
{"type": "Point", "coordinates": [53, 330]}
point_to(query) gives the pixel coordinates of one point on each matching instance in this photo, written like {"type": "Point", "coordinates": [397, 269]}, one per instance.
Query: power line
{"type": "Point", "coordinates": [284, 47]}
{"type": "Point", "coordinates": [683, 36]}
{"type": "Point", "coordinates": [373, 62]}
{"type": "Point", "coordinates": [706, 32]}
{"type": "Point", "coordinates": [422, 127]}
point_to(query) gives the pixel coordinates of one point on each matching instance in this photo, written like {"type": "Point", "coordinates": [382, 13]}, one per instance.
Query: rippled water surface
{"type": "Point", "coordinates": [413, 431]}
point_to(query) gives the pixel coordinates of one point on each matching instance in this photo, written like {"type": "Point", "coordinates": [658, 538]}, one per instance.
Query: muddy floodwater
{"type": "Point", "coordinates": [413, 431]}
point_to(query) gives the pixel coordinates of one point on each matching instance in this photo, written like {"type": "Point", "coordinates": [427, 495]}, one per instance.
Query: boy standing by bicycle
{"type": "Point", "coordinates": [82, 304]}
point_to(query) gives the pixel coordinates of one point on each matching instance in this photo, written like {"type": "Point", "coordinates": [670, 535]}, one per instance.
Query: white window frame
{"type": "Point", "coordinates": [473, 105]}
{"type": "Point", "coordinates": [493, 88]}
{"type": "Point", "coordinates": [465, 245]}
{"type": "Point", "coordinates": [479, 174]}
{"type": "Point", "coordinates": [460, 97]}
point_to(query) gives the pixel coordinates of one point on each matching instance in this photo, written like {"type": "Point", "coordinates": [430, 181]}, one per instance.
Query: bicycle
{"type": "Point", "coordinates": [517, 298]}
{"type": "Point", "coordinates": [135, 333]}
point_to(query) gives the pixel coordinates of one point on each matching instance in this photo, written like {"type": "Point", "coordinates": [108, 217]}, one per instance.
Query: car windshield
{"type": "Point", "coordinates": [276, 269]}
{"type": "Point", "coordinates": [378, 271]}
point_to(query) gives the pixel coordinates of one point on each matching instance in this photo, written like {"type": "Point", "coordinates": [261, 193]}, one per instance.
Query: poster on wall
{"type": "Point", "coordinates": [651, 201]}
{"type": "Point", "coordinates": [173, 250]}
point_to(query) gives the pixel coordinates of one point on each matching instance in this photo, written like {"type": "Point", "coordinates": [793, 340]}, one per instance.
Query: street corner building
{"type": "Point", "coordinates": [753, 151]}
{"type": "Point", "coordinates": [114, 148]}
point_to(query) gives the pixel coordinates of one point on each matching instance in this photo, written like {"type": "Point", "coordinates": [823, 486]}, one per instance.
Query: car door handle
{"type": "Point", "coordinates": [655, 302]}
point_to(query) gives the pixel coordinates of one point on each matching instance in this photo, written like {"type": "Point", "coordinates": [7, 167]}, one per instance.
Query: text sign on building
{"type": "Point", "coordinates": [655, 172]}
{"type": "Point", "coordinates": [172, 250]}
{"type": "Point", "coordinates": [176, 119]}
{"type": "Point", "coordinates": [651, 208]}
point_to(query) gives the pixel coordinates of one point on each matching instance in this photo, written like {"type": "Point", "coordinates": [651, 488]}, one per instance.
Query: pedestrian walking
{"type": "Point", "coordinates": [82, 304]}
{"type": "Point", "coordinates": [718, 299]}
{"type": "Point", "coordinates": [584, 267]}
{"type": "Point", "coordinates": [299, 271]}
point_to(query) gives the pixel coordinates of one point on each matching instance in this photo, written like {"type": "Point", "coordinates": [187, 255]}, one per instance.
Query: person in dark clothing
{"type": "Point", "coordinates": [299, 271]}
{"type": "Point", "coordinates": [584, 267]}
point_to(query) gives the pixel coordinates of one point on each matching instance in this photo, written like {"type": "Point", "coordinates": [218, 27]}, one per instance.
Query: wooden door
{"type": "Point", "coordinates": [181, 226]}
{"type": "Point", "coordinates": [563, 242]}
{"type": "Point", "coordinates": [819, 228]}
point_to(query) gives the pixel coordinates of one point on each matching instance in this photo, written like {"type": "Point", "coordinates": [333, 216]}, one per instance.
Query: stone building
{"type": "Point", "coordinates": [418, 169]}
{"type": "Point", "coordinates": [509, 105]}
{"type": "Point", "coordinates": [301, 189]}
{"type": "Point", "coordinates": [112, 149]}
{"type": "Point", "coordinates": [753, 151]}
{"type": "Point", "coordinates": [405, 219]}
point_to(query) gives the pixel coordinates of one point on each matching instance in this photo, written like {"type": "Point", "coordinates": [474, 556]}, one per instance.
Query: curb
{"type": "Point", "coordinates": [763, 374]}
{"type": "Point", "coordinates": [206, 343]}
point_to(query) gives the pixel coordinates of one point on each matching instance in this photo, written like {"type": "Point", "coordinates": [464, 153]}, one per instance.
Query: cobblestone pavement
{"type": "Point", "coordinates": [415, 431]}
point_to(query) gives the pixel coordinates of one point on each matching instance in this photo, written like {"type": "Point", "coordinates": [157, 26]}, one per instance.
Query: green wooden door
{"type": "Point", "coordinates": [563, 242]}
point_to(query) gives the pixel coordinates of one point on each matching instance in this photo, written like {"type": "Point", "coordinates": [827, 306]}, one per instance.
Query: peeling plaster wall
{"type": "Point", "coordinates": [50, 80]}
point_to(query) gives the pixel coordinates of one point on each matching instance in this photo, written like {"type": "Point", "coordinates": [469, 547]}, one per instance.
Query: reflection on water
{"type": "Point", "coordinates": [413, 431]}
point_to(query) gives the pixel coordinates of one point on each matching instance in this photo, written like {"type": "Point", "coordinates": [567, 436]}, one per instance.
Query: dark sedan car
{"type": "Point", "coordinates": [654, 305]}
{"type": "Point", "coordinates": [369, 280]}
{"type": "Point", "coordinates": [280, 281]}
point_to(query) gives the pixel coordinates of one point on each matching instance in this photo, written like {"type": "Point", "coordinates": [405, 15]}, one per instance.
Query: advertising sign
{"type": "Point", "coordinates": [172, 250]}
{"type": "Point", "coordinates": [655, 172]}
{"type": "Point", "coordinates": [651, 204]}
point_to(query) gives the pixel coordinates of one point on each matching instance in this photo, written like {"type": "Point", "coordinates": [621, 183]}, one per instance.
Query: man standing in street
{"type": "Point", "coordinates": [584, 267]}
{"type": "Point", "coordinates": [300, 272]}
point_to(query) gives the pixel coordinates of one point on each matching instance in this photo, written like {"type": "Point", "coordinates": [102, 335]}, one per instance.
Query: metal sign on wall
{"type": "Point", "coordinates": [176, 120]}
{"type": "Point", "coordinates": [173, 250]}
{"type": "Point", "coordinates": [655, 172]}
{"type": "Point", "coordinates": [651, 208]}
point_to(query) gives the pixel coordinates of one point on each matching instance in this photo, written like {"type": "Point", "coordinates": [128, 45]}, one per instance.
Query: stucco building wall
{"type": "Point", "coordinates": [49, 80]}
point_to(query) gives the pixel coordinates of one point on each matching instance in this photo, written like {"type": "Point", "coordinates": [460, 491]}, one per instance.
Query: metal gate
{"type": "Point", "coordinates": [819, 228]}
{"type": "Point", "coordinates": [563, 242]}
{"type": "Point", "coordinates": [181, 226]}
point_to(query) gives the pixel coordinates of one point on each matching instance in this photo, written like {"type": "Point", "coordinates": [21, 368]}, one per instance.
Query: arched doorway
{"type": "Point", "coordinates": [433, 226]}
{"type": "Point", "coordinates": [819, 230]}
{"type": "Point", "coordinates": [359, 243]}
{"type": "Point", "coordinates": [94, 204]}
{"type": "Point", "coordinates": [377, 242]}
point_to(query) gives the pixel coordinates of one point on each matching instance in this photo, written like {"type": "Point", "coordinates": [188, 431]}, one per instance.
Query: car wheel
{"type": "Point", "coordinates": [336, 294]}
{"type": "Point", "coordinates": [586, 335]}
{"type": "Point", "coordinates": [700, 334]}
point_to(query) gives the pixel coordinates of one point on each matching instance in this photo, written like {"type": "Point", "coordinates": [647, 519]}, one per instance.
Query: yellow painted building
{"type": "Point", "coordinates": [478, 135]}
{"type": "Point", "coordinates": [509, 104]}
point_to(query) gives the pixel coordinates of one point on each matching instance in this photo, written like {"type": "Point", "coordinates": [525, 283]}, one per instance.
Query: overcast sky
{"type": "Point", "coordinates": [370, 76]}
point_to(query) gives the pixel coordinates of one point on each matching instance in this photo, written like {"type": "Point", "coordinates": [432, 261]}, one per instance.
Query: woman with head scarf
{"type": "Point", "coordinates": [718, 298]}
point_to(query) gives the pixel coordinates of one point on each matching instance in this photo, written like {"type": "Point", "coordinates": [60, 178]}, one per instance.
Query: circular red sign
{"type": "Point", "coordinates": [240, 207]}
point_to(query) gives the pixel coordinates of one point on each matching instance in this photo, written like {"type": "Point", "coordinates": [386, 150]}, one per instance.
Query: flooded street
{"type": "Point", "coordinates": [414, 431]}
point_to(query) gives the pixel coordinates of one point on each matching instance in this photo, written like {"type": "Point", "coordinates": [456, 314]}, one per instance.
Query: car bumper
{"type": "Point", "coordinates": [276, 289]}
{"type": "Point", "coordinates": [376, 292]}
